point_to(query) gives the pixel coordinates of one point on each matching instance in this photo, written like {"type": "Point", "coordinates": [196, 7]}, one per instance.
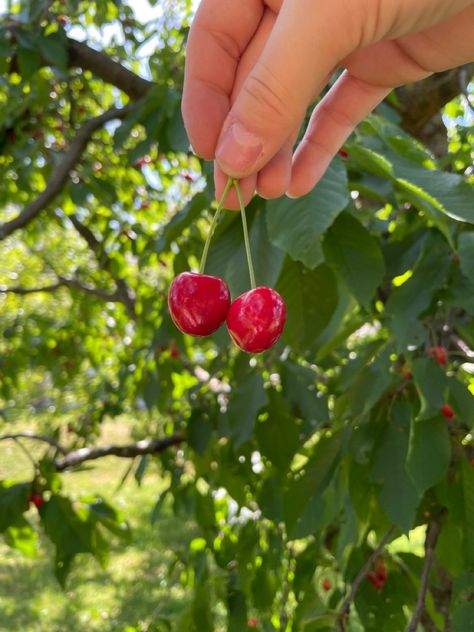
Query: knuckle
{"type": "Point", "coordinates": [268, 95]}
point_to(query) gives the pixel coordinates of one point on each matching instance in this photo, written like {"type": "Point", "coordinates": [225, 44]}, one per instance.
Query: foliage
{"type": "Point", "coordinates": [295, 463]}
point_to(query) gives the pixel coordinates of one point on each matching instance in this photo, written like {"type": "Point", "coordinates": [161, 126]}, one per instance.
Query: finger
{"type": "Point", "coordinates": [297, 57]}
{"type": "Point", "coordinates": [219, 35]}
{"type": "Point", "coordinates": [334, 118]}
{"type": "Point", "coordinates": [247, 188]}
{"type": "Point", "coordinates": [274, 179]}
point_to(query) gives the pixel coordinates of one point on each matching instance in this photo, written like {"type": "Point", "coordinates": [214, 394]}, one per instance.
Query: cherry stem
{"type": "Point", "coordinates": [215, 219]}
{"type": "Point", "coordinates": [253, 285]}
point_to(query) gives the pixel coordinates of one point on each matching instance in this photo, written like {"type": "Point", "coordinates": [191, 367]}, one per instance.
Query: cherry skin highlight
{"type": "Point", "coordinates": [198, 303]}
{"type": "Point", "coordinates": [256, 319]}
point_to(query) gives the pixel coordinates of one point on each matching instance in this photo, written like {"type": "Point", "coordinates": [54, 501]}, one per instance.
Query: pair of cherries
{"type": "Point", "coordinates": [199, 303]}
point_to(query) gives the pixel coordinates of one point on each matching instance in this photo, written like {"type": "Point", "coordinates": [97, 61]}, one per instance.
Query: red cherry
{"type": "Point", "coordinates": [326, 584]}
{"type": "Point", "coordinates": [440, 355]}
{"type": "Point", "coordinates": [381, 571]}
{"type": "Point", "coordinates": [252, 622]}
{"type": "Point", "coordinates": [198, 303]}
{"type": "Point", "coordinates": [375, 581]}
{"type": "Point", "coordinates": [447, 411]}
{"type": "Point", "coordinates": [256, 319]}
{"type": "Point", "coordinates": [37, 500]}
{"type": "Point", "coordinates": [343, 153]}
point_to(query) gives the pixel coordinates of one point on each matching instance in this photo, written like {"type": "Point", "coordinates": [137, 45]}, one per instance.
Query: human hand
{"type": "Point", "coordinates": [254, 66]}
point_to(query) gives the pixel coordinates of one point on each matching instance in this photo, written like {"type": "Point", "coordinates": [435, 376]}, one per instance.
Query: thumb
{"type": "Point", "coordinates": [300, 53]}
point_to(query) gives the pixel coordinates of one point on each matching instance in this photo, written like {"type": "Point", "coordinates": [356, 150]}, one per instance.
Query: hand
{"type": "Point", "coordinates": [254, 66]}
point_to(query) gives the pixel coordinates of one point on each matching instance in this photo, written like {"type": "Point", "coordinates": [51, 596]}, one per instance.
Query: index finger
{"type": "Point", "coordinates": [218, 37]}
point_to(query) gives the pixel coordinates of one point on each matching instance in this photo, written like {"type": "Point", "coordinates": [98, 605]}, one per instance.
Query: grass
{"type": "Point", "coordinates": [134, 589]}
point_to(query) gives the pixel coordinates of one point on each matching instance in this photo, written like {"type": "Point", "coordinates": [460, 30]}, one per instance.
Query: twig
{"type": "Point", "coordinates": [63, 282]}
{"type": "Point", "coordinates": [30, 435]}
{"type": "Point", "coordinates": [61, 175]}
{"type": "Point", "coordinates": [25, 451]}
{"type": "Point", "coordinates": [464, 82]}
{"type": "Point", "coordinates": [124, 293]}
{"type": "Point", "coordinates": [432, 534]}
{"type": "Point", "coordinates": [147, 446]}
{"type": "Point", "coordinates": [344, 611]}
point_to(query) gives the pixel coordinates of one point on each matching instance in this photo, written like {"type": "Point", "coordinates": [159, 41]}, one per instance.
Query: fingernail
{"type": "Point", "coordinates": [238, 150]}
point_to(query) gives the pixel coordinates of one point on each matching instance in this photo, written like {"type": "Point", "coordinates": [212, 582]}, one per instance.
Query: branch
{"type": "Point", "coordinates": [61, 175]}
{"type": "Point", "coordinates": [432, 534]}
{"type": "Point", "coordinates": [420, 104]}
{"type": "Point", "coordinates": [30, 435]}
{"type": "Point", "coordinates": [344, 611]}
{"type": "Point", "coordinates": [124, 293]}
{"type": "Point", "coordinates": [147, 446]}
{"type": "Point", "coordinates": [110, 71]}
{"type": "Point", "coordinates": [63, 282]}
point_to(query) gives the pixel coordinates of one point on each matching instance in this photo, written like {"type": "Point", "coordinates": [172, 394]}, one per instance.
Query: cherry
{"type": "Point", "coordinates": [381, 571]}
{"type": "Point", "coordinates": [447, 411]}
{"type": "Point", "coordinates": [440, 355]}
{"type": "Point", "coordinates": [198, 303]}
{"type": "Point", "coordinates": [37, 500]}
{"type": "Point", "coordinates": [326, 584]}
{"type": "Point", "coordinates": [256, 319]}
{"type": "Point", "coordinates": [252, 622]}
{"type": "Point", "coordinates": [375, 581]}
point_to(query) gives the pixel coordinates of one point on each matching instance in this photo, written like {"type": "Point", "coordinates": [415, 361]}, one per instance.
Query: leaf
{"type": "Point", "coordinates": [305, 490]}
{"type": "Point", "coordinates": [199, 430]}
{"type": "Point", "coordinates": [431, 383]}
{"type": "Point", "coordinates": [412, 298]}
{"type": "Point", "coordinates": [466, 253]}
{"type": "Point", "coordinates": [278, 435]}
{"type": "Point", "coordinates": [468, 498]}
{"type": "Point", "coordinates": [311, 299]}
{"type": "Point", "coordinates": [370, 384]}
{"type": "Point", "coordinates": [13, 503]}
{"type": "Point", "coordinates": [429, 453]}
{"type": "Point", "coordinates": [71, 533]}
{"type": "Point", "coordinates": [141, 469]}
{"type": "Point", "coordinates": [28, 62]}
{"type": "Point", "coordinates": [299, 386]}
{"type": "Point", "coordinates": [246, 400]}
{"type": "Point", "coordinates": [296, 226]}
{"type": "Point", "coordinates": [397, 496]}
{"type": "Point", "coordinates": [356, 257]}
{"type": "Point", "coordinates": [22, 537]}
{"type": "Point", "coordinates": [53, 49]}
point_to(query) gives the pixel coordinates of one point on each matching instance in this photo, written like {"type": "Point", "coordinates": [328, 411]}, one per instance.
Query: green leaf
{"type": "Point", "coordinates": [466, 253]}
{"type": "Point", "coordinates": [296, 226]}
{"type": "Point", "coordinates": [356, 257]}
{"type": "Point", "coordinates": [71, 533]}
{"type": "Point", "coordinates": [28, 62]}
{"type": "Point", "coordinates": [311, 299]}
{"type": "Point", "coordinates": [411, 299]}
{"type": "Point", "coordinates": [397, 496]}
{"type": "Point", "coordinates": [463, 617]}
{"type": "Point", "coordinates": [23, 538]}
{"type": "Point", "coordinates": [278, 435]}
{"type": "Point", "coordinates": [468, 497]}
{"type": "Point", "coordinates": [13, 503]}
{"type": "Point", "coordinates": [246, 401]}
{"type": "Point", "coordinates": [304, 491]}
{"type": "Point", "coordinates": [431, 383]}
{"type": "Point", "coordinates": [299, 386]}
{"type": "Point", "coordinates": [199, 430]}
{"type": "Point", "coordinates": [429, 453]}
{"type": "Point", "coordinates": [53, 49]}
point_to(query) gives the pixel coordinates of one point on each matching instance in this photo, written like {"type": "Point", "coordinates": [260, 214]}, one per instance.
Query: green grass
{"type": "Point", "coordinates": [133, 589]}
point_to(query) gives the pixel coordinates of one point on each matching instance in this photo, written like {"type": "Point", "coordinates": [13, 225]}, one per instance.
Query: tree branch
{"type": "Point", "coordinates": [419, 105]}
{"type": "Point", "coordinates": [30, 435]}
{"type": "Point", "coordinates": [344, 611]}
{"type": "Point", "coordinates": [61, 175]}
{"type": "Point", "coordinates": [147, 446]}
{"type": "Point", "coordinates": [124, 293]}
{"type": "Point", "coordinates": [110, 71]}
{"type": "Point", "coordinates": [63, 282]}
{"type": "Point", "coordinates": [432, 534]}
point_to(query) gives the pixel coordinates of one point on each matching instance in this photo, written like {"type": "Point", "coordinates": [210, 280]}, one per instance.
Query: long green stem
{"type": "Point", "coordinates": [253, 285]}
{"type": "Point", "coordinates": [215, 219]}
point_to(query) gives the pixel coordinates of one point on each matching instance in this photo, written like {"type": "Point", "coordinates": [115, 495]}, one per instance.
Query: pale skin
{"type": "Point", "coordinates": [253, 67]}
